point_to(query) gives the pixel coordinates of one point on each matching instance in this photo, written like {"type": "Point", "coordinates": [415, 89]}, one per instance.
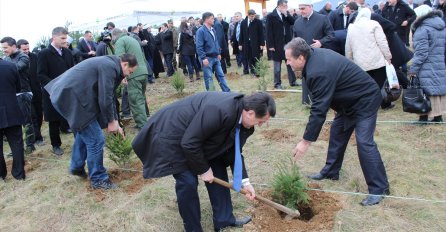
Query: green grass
{"type": "Point", "coordinates": [414, 156]}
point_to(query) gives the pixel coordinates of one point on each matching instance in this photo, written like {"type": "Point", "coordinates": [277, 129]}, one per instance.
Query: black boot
{"type": "Point", "coordinates": [437, 119]}
{"type": "Point", "coordinates": [191, 77]}
{"type": "Point", "coordinates": [197, 75]}
{"type": "Point", "coordinates": [422, 120]}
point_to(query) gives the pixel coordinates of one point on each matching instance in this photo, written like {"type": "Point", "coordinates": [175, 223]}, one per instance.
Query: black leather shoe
{"type": "Point", "coordinates": [238, 223]}
{"type": "Point", "coordinates": [81, 173]}
{"type": "Point", "coordinates": [295, 84]}
{"type": "Point", "coordinates": [319, 176]}
{"type": "Point", "coordinates": [374, 199]}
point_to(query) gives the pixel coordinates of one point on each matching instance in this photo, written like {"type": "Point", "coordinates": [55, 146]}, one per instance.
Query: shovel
{"type": "Point", "coordinates": [291, 213]}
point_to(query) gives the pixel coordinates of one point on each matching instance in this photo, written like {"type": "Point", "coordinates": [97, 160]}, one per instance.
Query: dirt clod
{"type": "Point", "coordinates": [278, 135]}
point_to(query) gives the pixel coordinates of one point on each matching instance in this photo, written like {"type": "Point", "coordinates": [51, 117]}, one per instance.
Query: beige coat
{"type": "Point", "coordinates": [366, 45]}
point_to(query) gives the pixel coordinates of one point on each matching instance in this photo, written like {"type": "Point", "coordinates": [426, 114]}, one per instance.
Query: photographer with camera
{"type": "Point", "coordinates": [105, 47]}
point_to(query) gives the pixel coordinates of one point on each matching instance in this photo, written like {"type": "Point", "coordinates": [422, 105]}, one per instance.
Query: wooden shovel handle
{"type": "Point", "coordinates": [291, 212]}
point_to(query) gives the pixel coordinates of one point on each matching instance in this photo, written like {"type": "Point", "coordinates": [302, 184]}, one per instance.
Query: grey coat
{"type": "Point", "coordinates": [428, 61]}
{"type": "Point", "coordinates": [85, 92]}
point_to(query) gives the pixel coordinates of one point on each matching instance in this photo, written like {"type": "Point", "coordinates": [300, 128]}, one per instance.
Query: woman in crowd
{"type": "Point", "coordinates": [367, 46]}
{"type": "Point", "coordinates": [187, 50]}
{"type": "Point", "coordinates": [428, 64]}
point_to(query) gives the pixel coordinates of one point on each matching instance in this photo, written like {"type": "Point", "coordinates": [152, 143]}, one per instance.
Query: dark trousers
{"type": "Point", "coordinates": [379, 75]}
{"type": "Point", "coordinates": [251, 60]}
{"type": "Point", "coordinates": [25, 104]}
{"type": "Point", "coordinates": [277, 74]}
{"type": "Point", "coordinates": [15, 140]}
{"type": "Point", "coordinates": [369, 156]}
{"type": "Point", "coordinates": [189, 202]}
{"type": "Point", "coordinates": [54, 129]}
{"type": "Point", "coordinates": [190, 63]}
{"type": "Point", "coordinates": [225, 55]}
{"type": "Point", "coordinates": [168, 59]}
{"type": "Point", "coordinates": [125, 106]}
{"type": "Point", "coordinates": [37, 116]}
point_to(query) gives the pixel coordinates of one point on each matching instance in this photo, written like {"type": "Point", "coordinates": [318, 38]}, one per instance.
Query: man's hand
{"type": "Point", "coordinates": [124, 81]}
{"type": "Point", "coordinates": [251, 193]}
{"type": "Point", "coordinates": [207, 176]}
{"type": "Point", "coordinates": [219, 57]}
{"type": "Point", "coordinates": [205, 62]}
{"type": "Point", "coordinates": [240, 47]}
{"type": "Point", "coordinates": [300, 149]}
{"type": "Point", "coordinates": [262, 47]}
{"type": "Point", "coordinates": [113, 127]}
{"type": "Point", "coordinates": [272, 49]}
{"type": "Point", "coordinates": [316, 44]}
{"type": "Point", "coordinates": [404, 23]}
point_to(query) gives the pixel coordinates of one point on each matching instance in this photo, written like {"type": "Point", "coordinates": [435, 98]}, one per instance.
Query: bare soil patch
{"type": "Point", "coordinates": [232, 75]}
{"type": "Point", "coordinates": [277, 95]}
{"type": "Point", "coordinates": [130, 180]}
{"type": "Point", "coordinates": [318, 215]}
{"type": "Point", "coordinates": [278, 135]}
{"type": "Point", "coordinates": [30, 165]}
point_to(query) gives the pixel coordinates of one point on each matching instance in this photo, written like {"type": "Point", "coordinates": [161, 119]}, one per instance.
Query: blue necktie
{"type": "Point", "coordinates": [237, 175]}
{"type": "Point", "coordinates": [237, 32]}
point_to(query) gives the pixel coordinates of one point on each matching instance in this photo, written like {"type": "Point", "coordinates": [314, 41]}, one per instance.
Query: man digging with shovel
{"type": "Point", "coordinates": [202, 135]}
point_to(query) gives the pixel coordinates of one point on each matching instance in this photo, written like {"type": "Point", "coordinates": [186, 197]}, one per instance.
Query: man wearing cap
{"type": "Point", "coordinates": [315, 29]}
{"type": "Point", "coordinates": [200, 136]}
{"type": "Point", "coordinates": [251, 40]}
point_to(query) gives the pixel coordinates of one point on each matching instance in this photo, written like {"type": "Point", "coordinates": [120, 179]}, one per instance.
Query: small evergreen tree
{"type": "Point", "coordinates": [288, 187]}
{"type": "Point", "coordinates": [120, 149]}
{"type": "Point", "coordinates": [261, 70]}
{"type": "Point", "coordinates": [178, 82]}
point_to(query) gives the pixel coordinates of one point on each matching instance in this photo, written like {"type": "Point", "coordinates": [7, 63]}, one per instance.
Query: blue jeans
{"type": "Point", "coordinates": [369, 156]}
{"type": "Point", "coordinates": [89, 145]}
{"type": "Point", "coordinates": [214, 65]}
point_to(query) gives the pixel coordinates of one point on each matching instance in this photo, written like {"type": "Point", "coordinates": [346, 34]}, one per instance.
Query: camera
{"type": "Point", "coordinates": [106, 35]}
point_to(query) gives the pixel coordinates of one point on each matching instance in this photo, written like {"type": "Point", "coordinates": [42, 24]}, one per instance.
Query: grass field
{"type": "Point", "coordinates": [415, 158]}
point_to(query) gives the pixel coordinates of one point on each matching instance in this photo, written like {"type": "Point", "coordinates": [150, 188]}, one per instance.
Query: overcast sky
{"type": "Point", "coordinates": [32, 19]}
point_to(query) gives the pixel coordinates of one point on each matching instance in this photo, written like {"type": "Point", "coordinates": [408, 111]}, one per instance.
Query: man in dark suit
{"type": "Point", "coordinates": [11, 120]}
{"type": "Point", "coordinates": [251, 40]}
{"type": "Point", "coordinates": [86, 46]}
{"type": "Point", "coordinates": [278, 33]}
{"type": "Point", "coordinates": [51, 62]}
{"type": "Point", "coordinates": [355, 97]}
{"type": "Point", "coordinates": [339, 18]}
{"type": "Point", "coordinates": [202, 135]}
{"type": "Point", "coordinates": [398, 12]}
{"type": "Point", "coordinates": [235, 37]}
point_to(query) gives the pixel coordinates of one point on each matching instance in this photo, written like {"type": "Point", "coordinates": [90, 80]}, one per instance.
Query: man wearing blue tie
{"type": "Point", "coordinates": [202, 135]}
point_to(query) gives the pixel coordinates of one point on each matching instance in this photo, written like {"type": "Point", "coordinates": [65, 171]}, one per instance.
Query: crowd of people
{"type": "Point", "coordinates": [341, 54]}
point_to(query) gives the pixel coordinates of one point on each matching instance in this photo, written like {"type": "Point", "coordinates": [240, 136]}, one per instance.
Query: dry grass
{"type": "Point", "coordinates": [52, 200]}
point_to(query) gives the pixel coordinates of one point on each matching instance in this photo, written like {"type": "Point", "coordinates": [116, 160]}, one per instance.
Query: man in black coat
{"type": "Point", "coordinates": [21, 61]}
{"type": "Point", "coordinates": [225, 55]}
{"type": "Point", "coordinates": [355, 97]}
{"type": "Point", "coordinates": [398, 12]}
{"type": "Point", "coordinates": [51, 62]}
{"type": "Point", "coordinates": [85, 96]}
{"type": "Point", "coordinates": [166, 36]}
{"type": "Point", "coordinates": [11, 120]}
{"type": "Point", "coordinates": [251, 40]}
{"type": "Point", "coordinates": [278, 33]}
{"type": "Point", "coordinates": [197, 136]}
{"type": "Point", "coordinates": [36, 89]}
